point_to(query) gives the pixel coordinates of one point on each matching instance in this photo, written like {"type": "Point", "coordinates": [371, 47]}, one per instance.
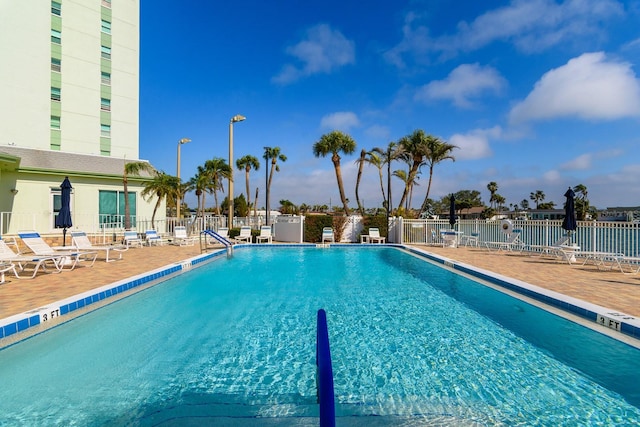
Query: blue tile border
{"type": "Point", "coordinates": [582, 309]}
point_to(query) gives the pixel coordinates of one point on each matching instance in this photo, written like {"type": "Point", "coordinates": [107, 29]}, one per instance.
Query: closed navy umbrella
{"type": "Point", "coordinates": [452, 210]}
{"type": "Point", "coordinates": [63, 220]}
{"type": "Point", "coordinates": [569, 222]}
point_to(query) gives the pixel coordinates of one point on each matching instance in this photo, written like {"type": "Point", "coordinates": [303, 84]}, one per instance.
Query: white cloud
{"type": "Point", "coordinates": [322, 51]}
{"type": "Point", "coordinates": [342, 120]}
{"type": "Point", "coordinates": [378, 132]}
{"type": "Point", "coordinates": [531, 25]}
{"type": "Point", "coordinates": [464, 82]}
{"type": "Point", "coordinates": [587, 87]}
{"type": "Point", "coordinates": [475, 144]}
{"type": "Point", "coordinates": [581, 162]}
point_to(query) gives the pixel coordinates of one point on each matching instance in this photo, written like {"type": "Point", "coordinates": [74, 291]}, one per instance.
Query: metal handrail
{"type": "Point", "coordinates": [219, 238]}
{"type": "Point", "coordinates": [324, 375]}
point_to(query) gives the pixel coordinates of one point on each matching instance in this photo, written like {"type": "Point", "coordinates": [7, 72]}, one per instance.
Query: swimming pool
{"type": "Point", "coordinates": [236, 339]}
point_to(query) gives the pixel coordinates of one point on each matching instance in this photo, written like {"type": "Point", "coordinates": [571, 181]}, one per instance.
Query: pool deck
{"type": "Point", "coordinates": [610, 289]}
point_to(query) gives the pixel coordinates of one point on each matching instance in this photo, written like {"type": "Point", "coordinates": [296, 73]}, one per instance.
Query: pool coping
{"type": "Point", "coordinates": [20, 326]}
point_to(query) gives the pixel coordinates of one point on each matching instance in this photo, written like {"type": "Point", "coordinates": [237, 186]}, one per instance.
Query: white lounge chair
{"type": "Point", "coordinates": [8, 256]}
{"type": "Point", "coordinates": [131, 239]}
{"type": "Point", "coordinates": [39, 247]}
{"type": "Point", "coordinates": [245, 235]}
{"type": "Point", "coordinates": [81, 241]}
{"type": "Point", "coordinates": [6, 266]}
{"type": "Point", "coordinates": [552, 249]}
{"type": "Point", "coordinates": [181, 237]}
{"type": "Point", "coordinates": [153, 238]}
{"type": "Point", "coordinates": [327, 235]}
{"type": "Point", "coordinates": [512, 242]}
{"type": "Point", "coordinates": [436, 238]}
{"type": "Point", "coordinates": [374, 236]}
{"type": "Point", "coordinates": [265, 235]}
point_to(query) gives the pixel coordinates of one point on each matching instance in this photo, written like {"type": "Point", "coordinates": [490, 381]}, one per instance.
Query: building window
{"type": "Point", "coordinates": [105, 52]}
{"type": "Point", "coordinates": [106, 3]}
{"type": "Point", "coordinates": [56, 36]}
{"type": "Point", "coordinates": [56, 205]}
{"type": "Point", "coordinates": [56, 64]}
{"type": "Point", "coordinates": [105, 130]}
{"type": "Point", "coordinates": [55, 94]}
{"type": "Point", "coordinates": [111, 208]}
{"type": "Point", "coordinates": [55, 122]}
{"type": "Point", "coordinates": [106, 27]}
{"type": "Point", "coordinates": [105, 78]}
{"type": "Point", "coordinates": [56, 8]}
{"type": "Point", "coordinates": [105, 104]}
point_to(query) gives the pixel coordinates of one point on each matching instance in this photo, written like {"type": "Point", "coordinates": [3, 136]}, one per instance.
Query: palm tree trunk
{"type": "Point", "coordinates": [426, 198]}
{"type": "Point", "coordinates": [336, 163]}
{"type": "Point", "coordinates": [247, 183]}
{"type": "Point", "coordinates": [363, 154]}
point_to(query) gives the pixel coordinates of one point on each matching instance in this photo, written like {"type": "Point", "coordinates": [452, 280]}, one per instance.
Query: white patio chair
{"type": "Point", "coordinates": [265, 235]}
{"type": "Point", "coordinates": [327, 235]}
{"type": "Point", "coordinates": [374, 236]}
{"type": "Point", "coordinates": [80, 240]}
{"type": "Point", "coordinates": [245, 235]}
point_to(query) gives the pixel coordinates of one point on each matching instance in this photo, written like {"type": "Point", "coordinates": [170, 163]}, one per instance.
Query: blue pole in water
{"type": "Point", "coordinates": [324, 373]}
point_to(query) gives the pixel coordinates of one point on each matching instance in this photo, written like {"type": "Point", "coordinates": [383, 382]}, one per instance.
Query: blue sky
{"type": "Point", "coordinates": [537, 94]}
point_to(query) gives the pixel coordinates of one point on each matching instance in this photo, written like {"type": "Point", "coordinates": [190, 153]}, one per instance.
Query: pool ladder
{"type": "Point", "coordinates": [227, 244]}
{"type": "Point", "coordinates": [324, 373]}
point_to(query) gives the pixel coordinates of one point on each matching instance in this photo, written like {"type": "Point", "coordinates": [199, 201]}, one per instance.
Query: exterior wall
{"type": "Point", "coordinates": [25, 76]}
{"type": "Point", "coordinates": [25, 105]}
{"type": "Point", "coordinates": [32, 207]}
{"type": "Point", "coordinates": [125, 74]}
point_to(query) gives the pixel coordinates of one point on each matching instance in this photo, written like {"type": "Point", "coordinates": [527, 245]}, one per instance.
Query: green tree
{"type": "Point", "coordinates": [240, 206]}
{"type": "Point", "coordinates": [334, 143]}
{"type": "Point", "coordinates": [132, 169]}
{"type": "Point", "coordinates": [162, 186]}
{"type": "Point", "coordinates": [200, 185]}
{"type": "Point", "coordinates": [272, 154]}
{"type": "Point", "coordinates": [537, 196]}
{"type": "Point", "coordinates": [493, 189]}
{"type": "Point", "coordinates": [217, 170]}
{"type": "Point", "coordinates": [582, 202]}
{"type": "Point", "coordinates": [387, 155]}
{"type": "Point", "coordinates": [287, 207]}
{"type": "Point", "coordinates": [437, 151]}
{"type": "Point", "coordinates": [414, 150]}
{"type": "Point", "coordinates": [247, 163]}
{"type": "Point", "coordinates": [360, 162]}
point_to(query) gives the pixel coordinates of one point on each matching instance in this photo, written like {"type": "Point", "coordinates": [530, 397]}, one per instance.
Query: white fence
{"type": "Point", "coordinates": [615, 237]}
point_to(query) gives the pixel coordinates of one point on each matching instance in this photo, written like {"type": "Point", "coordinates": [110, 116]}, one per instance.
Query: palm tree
{"type": "Point", "coordinates": [360, 162]}
{"type": "Point", "coordinates": [247, 163]}
{"type": "Point", "coordinates": [374, 159]}
{"type": "Point", "coordinates": [273, 154]}
{"type": "Point", "coordinates": [537, 197]}
{"type": "Point", "coordinates": [493, 189]}
{"type": "Point", "coordinates": [582, 202]}
{"type": "Point", "coordinates": [162, 186]}
{"type": "Point", "coordinates": [414, 150]}
{"type": "Point", "coordinates": [334, 143]}
{"type": "Point", "coordinates": [132, 168]}
{"type": "Point", "coordinates": [217, 170]}
{"type": "Point", "coordinates": [388, 155]}
{"type": "Point", "coordinates": [437, 151]}
{"type": "Point", "coordinates": [199, 184]}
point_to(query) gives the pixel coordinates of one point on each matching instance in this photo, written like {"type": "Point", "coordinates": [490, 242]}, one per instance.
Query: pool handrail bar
{"type": "Point", "coordinates": [227, 243]}
{"type": "Point", "coordinates": [324, 373]}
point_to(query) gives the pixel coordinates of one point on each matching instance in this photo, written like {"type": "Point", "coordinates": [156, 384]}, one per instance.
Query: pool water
{"type": "Point", "coordinates": [235, 340]}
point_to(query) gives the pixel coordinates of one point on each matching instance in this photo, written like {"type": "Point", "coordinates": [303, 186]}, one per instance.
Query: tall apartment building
{"type": "Point", "coordinates": [69, 100]}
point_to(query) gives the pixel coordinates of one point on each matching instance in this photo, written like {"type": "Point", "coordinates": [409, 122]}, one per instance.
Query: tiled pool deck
{"type": "Point", "coordinates": [85, 286]}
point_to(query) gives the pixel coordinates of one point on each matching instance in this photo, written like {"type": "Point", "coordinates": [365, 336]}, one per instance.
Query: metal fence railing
{"type": "Point", "coordinates": [602, 236]}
